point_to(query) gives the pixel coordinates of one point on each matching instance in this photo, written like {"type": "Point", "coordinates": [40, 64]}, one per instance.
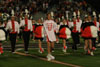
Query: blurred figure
{"type": "Point", "coordinates": [94, 39]}
{"type": "Point", "coordinates": [89, 31]}
{"type": "Point", "coordinates": [39, 34]}
{"type": "Point", "coordinates": [13, 28]}
{"type": "Point", "coordinates": [64, 34]}
{"type": "Point", "coordinates": [75, 34]}
{"type": "Point", "coordinates": [2, 35]}
{"type": "Point", "coordinates": [50, 26]}
{"type": "Point", "coordinates": [26, 26]}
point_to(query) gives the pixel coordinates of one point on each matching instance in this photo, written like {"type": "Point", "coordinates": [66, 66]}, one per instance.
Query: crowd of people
{"type": "Point", "coordinates": [35, 6]}
{"type": "Point", "coordinates": [52, 28]}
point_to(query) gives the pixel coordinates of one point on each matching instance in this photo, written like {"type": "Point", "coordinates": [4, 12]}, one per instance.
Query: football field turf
{"type": "Point", "coordinates": [75, 58]}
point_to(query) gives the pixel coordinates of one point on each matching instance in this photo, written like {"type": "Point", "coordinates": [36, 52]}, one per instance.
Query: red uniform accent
{"type": "Point", "coordinates": [65, 47]}
{"type": "Point", "coordinates": [33, 28]}
{"type": "Point", "coordinates": [5, 24]}
{"type": "Point", "coordinates": [81, 30]}
{"type": "Point", "coordinates": [50, 25]}
{"type": "Point", "coordinates": [26, 25]}
{"type": "Point", "coordinates": [67, 22]}
{"type": "Point", "coordinates": [99, 24]}
{"type": "Point", "coordinates": [95, 23]}
{"type": "Point", "coordinates": [87, 32]}
{"type": "Point", "coordinates": [78, 20]}
{"type": "Point", "coordinates": [1, 49]}
{"type": "Point", "coordinates": [13, 27]}
{"type": "Point", "coordinates": [62, 33]}
{"type": "Point", "coordinates": [38, 32]}
{"type": "Point", "coordinates": [74, 30]}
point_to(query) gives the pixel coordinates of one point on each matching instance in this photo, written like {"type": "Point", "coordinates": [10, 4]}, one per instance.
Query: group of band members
{"type": "Point", "coordinates": [52, 29]}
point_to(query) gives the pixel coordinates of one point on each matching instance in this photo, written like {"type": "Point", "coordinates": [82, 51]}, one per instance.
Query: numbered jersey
{"type": "Point", "coordinates": [50, 28]}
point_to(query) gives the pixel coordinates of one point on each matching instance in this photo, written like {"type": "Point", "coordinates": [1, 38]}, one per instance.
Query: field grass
{"type": "Point", "coordinates": [78, 58]}
{"type": "Point", "coordinates": [20, 41]}
{"type": "Point", "coordinates": [13, 60]}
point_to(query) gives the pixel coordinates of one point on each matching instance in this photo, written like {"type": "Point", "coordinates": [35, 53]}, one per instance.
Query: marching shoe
{"type": "Point", "coordinates": [64, 49]}
{"type": "Point", "coordinates": [41, 50]}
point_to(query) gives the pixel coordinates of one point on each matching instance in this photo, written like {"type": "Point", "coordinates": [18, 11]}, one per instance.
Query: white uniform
{"type": "Point", "coordinates": [97, 25]}
{"type": "Point", "coordinates": [50, 26]}
{"type": "Point", "coordinates": [9, 26]}
{"type": "Point", "coordinates": [29, 24]}
{"type": "Point", "coordinates": [13, 28]}
{"type": "Point", "coordinates": [78, 25]}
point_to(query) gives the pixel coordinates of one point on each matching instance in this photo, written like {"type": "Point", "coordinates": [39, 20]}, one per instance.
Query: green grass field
{"type": "Point", "coordinates": [78, 58]}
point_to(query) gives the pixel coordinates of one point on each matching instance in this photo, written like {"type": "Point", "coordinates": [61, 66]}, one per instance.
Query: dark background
{"type": "Point", "coordinates": [95, 4]}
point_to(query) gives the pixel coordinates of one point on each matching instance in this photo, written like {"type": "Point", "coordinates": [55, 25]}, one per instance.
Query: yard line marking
{"type": "Point", "coordinates": [53, 61]}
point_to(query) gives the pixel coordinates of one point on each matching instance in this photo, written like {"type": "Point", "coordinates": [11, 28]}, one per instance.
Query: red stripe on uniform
{"type": "Point", "coordinates": [13, 27]}
{"type": "Point", "coordinates": [74, 30]}
{"type": "Point", "coordinates": [26, 25]}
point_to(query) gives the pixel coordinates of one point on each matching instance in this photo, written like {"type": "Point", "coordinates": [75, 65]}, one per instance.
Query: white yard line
{"type": "Point", "coordinates": [53, 61]}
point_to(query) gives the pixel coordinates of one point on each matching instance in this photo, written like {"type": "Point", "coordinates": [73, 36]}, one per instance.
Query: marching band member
{"type": "Point", "coordinates": [50, 26]}
{"type": "Point", "coordinates": [2, 35]}
{"type": "Point", "coordinates": [58, 25]}
{"type": "Point", "coordinates": [26, 26]}
{"type": "Point", "coordinates": [75, 32]}
{"type": "Point", "coordinates": [13, 28]}
{"type": "Point", "coordinates": [64, 33]}
{"type": "Point", "coordinates": [97, 25]}
{"type": "Point", "coordinates": [99, 32]}
{"type": "Point", "coordinates": [5, 20]}
{"type": "Point", "coordinates": [67, 20]}
{"type": "Point", "coordinates": [39, 34]}
{"type": "Point", "coordinates": [33, 26]}
{"type": "Point", "coordinates": [88, 32]}
{"type": "Point", "coordinates": [79, 21]}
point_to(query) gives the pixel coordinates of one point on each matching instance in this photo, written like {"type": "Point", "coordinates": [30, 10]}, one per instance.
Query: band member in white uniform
{"type": "Point", "coordinates": [50, 26]}
{"type": "Point", "coordinates": [96, 23]}
{"type": "Point", "coordinates": [76, 26]}
{"type": "Point", "coordinates": [13, 28]}
{"type": "Point", "coordinates": [26, 26]}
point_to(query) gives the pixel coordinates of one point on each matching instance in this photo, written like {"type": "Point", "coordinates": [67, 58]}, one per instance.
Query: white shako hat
{"type": "Point", "coordinates": [74, 14]}
{"type": "Point", "coordinates": [99, 15]}
{"type": "Point", "coordinates": [63, 17]}
{"type": "Point", "coordinates": [52, 14]}
{"type": "Point", "coordinates": [27, 12]}
{"type": "Point", "coordinates": [12, 13]}
{"type": "Point", "coordinates": [78, 14]}
{"type": "Point", "coordinates": [94, 14]}
{"type": "Point", "coordinates": [67, 14]}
